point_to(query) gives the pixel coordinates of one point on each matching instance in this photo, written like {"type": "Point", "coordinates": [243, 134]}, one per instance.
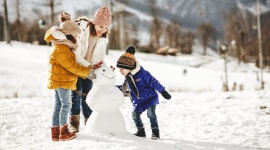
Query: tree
{"type": "Point", "coordinates": [16, 33]}
{"type": "Point", "coordinates": [206, 32]}
{"type": "Point", "coordinates": [186, 42]}
{"type": "Point", "coordinates": [242, 27]}
{"type": "Point", "coordinates": [120, 29]}
{"type": "Point", "coordinates": [265, 23]}
{"type": "Point", "coordinates": [36, 33]}
{"type": "Point", "coordinates": [6, 23]}
{"type": "Point", "coordinates": [156, 27]}
{"type": "Point", "coordinates": [51, 4]}
{"type": "Point", "coordinates": [173, 34]}
{"type": "Point", "coordinates": [131, 33]}
{"type": "Point", "coordinates": [236, 28]}
{"type": "Point", "coordinates": [18, 21]}
{"type": "Point", "coordinates": [1, 29]}
{"type": "Point", "coordinates": [114, 41]}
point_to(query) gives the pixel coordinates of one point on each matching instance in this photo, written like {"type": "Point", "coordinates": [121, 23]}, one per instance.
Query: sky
{"type": "Point", "coordinates": [199, 116]}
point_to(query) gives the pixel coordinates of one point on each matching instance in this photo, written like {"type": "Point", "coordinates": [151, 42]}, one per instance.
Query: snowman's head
{"type": "Point", "coordinates": [104, 76]}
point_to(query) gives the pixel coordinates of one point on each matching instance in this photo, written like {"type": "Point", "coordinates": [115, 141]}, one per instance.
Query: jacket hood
{"type": "Point", "coordinates": [54, 34]}
{"type": "Point", "coordinates": [137, 68]}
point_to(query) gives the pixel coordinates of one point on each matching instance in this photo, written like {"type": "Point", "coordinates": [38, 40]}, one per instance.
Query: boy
{"type": "Point", "coordinates": [143, 87]}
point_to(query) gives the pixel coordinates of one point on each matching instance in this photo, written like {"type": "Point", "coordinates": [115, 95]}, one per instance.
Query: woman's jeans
{"type": "Point", "coordinates": [151, 114]}
{"type": "Point", "coordinates": [61, 107]}
{"type": "Point", "coordinates": [78, 98]}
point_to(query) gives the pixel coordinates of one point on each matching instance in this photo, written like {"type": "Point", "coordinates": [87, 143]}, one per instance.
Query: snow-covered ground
{"type": "Point", "coordinates": [199, 115]}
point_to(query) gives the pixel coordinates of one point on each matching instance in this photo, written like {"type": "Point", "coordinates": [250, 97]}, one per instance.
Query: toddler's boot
{"type": "Point", "coordinates": [65, 135]}
{"type": "Point", "coordinates": [74, 121]}
{"type": "Point", "coordinates": [155, 134]}
{"type": "Point", "coordinates": [55, 133]}
{"type": "Point", "coordinates": [140, 132]}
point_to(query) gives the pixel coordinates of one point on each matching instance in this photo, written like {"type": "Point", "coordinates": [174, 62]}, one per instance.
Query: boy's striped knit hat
{"type": "Point", "coordinates": [127, 60]}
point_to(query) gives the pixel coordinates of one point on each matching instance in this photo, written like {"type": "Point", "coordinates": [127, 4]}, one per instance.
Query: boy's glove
{"type": "Point", "coordinates": [166, 95]}
{"type": "Point", "coordinates": [123, 90]}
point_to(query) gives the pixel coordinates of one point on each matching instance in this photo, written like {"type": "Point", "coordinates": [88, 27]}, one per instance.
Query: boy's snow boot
{"type": "Point", "coordinates": [65, 135]}
{"type": "Point", "coordinates": [140, 132]}
{"type": "Point", "coordinates": [55, 133]}
{"type": "Point", "coordinates": [155, 134]}
{"type": "Point", "coordinates": [74, 121]}
{"type": "Point", "coordinates": [85, 120]}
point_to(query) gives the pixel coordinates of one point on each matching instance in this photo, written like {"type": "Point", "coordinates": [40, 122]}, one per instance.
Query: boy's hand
{"type": "Point", "coordinates": [166, 95]}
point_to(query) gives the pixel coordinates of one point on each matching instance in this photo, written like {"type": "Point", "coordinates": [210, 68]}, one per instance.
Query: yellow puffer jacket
{"type": "Point", "coordinates": [64, 69]}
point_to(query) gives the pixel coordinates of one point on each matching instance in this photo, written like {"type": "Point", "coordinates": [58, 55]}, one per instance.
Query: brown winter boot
{"type": "Point", "coordinates": [55, 133]}
{"type": "Point", "coordinates": [65, 135]}
{"type": "Point", "coordinates": [74, 121]}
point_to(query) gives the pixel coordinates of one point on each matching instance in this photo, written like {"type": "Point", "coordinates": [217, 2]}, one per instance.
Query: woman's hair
{"type": "Point", "coordinates": [71, 38]}
{"type": "Point", "coordinates": [93, 31]}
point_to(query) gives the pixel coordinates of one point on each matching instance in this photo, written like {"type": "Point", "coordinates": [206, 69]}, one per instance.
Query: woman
{"type": "Point", "coordinates": [89, 53]}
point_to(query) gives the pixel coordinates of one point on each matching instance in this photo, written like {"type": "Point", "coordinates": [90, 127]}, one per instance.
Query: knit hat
{"type": "Point", "coordinates": [127, 60]}
{"type": "Point", "coordinates": [102, 16]}
{"type": "Point", "coordinates": [67, 26]}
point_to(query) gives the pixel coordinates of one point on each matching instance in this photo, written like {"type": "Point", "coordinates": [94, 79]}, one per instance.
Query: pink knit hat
{"type": "Point", "coordinates": [102, 16]}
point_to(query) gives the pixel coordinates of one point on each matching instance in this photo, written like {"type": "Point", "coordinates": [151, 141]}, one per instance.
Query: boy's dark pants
{"type": "Point", "coordinates": [151, 114]}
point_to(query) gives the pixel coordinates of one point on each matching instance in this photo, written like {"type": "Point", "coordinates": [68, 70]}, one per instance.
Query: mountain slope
{"type": "Point", "coordinates": [191, 13]}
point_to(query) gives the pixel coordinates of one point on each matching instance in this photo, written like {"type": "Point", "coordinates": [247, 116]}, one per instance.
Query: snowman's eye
{"type": "Point", "coordinates": [103, 70]}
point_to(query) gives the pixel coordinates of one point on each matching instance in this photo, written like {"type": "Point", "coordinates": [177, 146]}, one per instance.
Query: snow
{"type": "Point", "coordinates": [253, 9]}
{"type": "Point", "coordinates": [143, 17]}
{"type": "Point", "coordinates": [199, 115]}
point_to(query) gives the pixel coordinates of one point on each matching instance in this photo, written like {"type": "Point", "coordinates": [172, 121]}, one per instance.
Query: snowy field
{"type": "Point", "coordinates": [199, 115]}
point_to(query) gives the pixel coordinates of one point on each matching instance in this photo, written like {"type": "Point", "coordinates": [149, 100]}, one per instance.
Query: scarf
{"type": "Point", "coordinates": [92, 41]}
{"type": "Point", "coordinates": [130, 80]}
{"type": "Point", "coordinates": [66, 42]}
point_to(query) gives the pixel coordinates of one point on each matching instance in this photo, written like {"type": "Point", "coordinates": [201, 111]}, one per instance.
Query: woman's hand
{"type": "Point", "coordinates": [96, 66]}
{"type": "Point", "coordinates": [92, 74]}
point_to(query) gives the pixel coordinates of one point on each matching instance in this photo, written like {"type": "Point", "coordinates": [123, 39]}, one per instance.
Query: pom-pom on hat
{"type": "Point", "coordinates": [127, 60]}
{"type": "Point", "coordinates": [102, 16]}
{"type": "Point", "coordinates": [67, 26]}
{"type": "Point", "coordinates": [64, 16]}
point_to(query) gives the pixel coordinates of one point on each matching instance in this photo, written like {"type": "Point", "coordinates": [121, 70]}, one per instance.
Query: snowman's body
{"type": "Point", "coordinates": [105, 100]}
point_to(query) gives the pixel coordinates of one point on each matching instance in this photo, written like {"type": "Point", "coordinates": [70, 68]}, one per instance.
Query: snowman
{"type": "Point", "coordinates": [105, 99]}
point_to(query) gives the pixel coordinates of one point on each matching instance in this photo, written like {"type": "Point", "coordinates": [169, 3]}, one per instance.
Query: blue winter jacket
{"type": "Point", "coordinates": [147, 86]}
